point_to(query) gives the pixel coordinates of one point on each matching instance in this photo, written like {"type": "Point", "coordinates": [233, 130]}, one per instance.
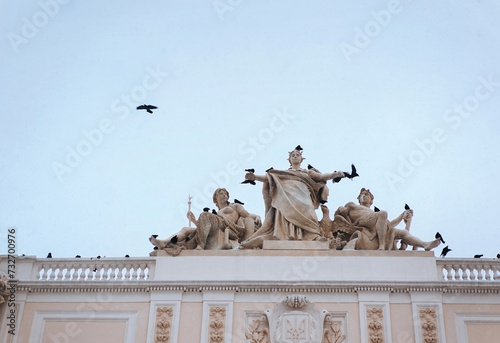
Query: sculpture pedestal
{"type": "Point", "coordinates": [295, 245]}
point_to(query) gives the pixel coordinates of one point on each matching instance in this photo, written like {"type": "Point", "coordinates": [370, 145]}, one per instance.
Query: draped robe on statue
{"type": "Point", "coordinates": [291, 197]}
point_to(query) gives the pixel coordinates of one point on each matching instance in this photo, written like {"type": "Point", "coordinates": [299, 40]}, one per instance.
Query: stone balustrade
{"type": "Point", "coordinates": [469, 269]}
{"type": "Point", "coordinates": [143, 269]}
{"type": "Point", "coordinates": [108, 269]}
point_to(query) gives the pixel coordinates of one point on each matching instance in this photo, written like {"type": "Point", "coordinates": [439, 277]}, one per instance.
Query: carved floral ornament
{"type": "Point", "coordinates": [163, 324]}
{"type": "Point", "coordinates": [428, 324]}
{"type": "Point", "coordinates": [217, 324]}
{"type": "Point", "coordinates": [375, 316]}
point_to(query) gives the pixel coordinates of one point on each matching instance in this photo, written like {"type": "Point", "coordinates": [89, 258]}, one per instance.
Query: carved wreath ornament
{"type": "Point", "coordinates": [163, 324]}
{"type": "Point", "coordinates": [375, 326]}
{"type": "Point", "coordinates": [217, 320]}
{"type": "Point", "coordinates": [429, 325]}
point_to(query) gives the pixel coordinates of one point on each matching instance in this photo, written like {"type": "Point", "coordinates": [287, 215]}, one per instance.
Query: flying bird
{"type": "Point", "coordinates": [407, 208]}
{"type": "Point", "coordinates": [438, 236]}
{"type": "Point", "coordinates": [49, 255]}
{"type": "Point", "coordinates": [299, 148]}
{"type": "Point", "coordinates": [478, 256]}
{"type": "Point", "coordinates": [250, 170]}
{"type": "Point", "coordinates": [445, 251]}
{"type": "Point", "coordinates": [148, 108]}
{"type": "Point", "coordinates": [236, 201]}
{"type": "Point", "coordinates": [353, 172]}
{"type": "Point", "coordinates": [252, 182]}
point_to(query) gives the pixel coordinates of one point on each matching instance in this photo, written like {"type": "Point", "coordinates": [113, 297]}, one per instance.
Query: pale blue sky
{"type": "Point", "coordinates": [408, 91]}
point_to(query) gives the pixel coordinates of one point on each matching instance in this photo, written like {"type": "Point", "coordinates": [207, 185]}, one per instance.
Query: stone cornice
{"type": "Point", "coordinates": [260, 287]}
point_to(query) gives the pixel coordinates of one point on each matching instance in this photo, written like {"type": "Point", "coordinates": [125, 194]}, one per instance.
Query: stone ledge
{"type": "Point", "coordinates": [303, 252]}
{"type": "Point", "coordinates": [295, 245]}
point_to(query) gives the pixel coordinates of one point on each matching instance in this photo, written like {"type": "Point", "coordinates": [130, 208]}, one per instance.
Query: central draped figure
{"type": "Point", "coordinates": [291, 198]}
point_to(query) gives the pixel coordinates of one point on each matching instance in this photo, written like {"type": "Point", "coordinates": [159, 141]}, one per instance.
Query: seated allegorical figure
{"type": "Point", "coordinates": [370, 230]}
{"type": "Point", "coordinates": [223, 230]}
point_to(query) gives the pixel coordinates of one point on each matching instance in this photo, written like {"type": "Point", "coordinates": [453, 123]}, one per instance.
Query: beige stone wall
{"type": "Point", "coordinates": [84, 322]}
{"type": "Point", "coordinates": [194, 305]}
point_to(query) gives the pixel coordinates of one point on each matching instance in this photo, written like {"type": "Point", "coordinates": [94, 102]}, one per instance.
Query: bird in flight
{"type": "Point", "coordinates": [445, 251]}
{"type": "Point", "coordinates": [148, 108]}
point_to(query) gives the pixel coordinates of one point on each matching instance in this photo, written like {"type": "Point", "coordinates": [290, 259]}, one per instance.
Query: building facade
{"type": "Point", "coordinates": [291, 292]}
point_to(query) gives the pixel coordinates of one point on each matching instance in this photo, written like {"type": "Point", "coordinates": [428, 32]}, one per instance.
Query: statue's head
{"type": "Point", "coordinates": [217, 192]}
{"type": "Point", "coordinates": [365, 193]}
{"type": "Point", "coordinates": [295, 154]}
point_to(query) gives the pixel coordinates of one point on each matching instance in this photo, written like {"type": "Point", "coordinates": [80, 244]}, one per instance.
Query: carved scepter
{"type": "Point", "coordinates": [189, 208]}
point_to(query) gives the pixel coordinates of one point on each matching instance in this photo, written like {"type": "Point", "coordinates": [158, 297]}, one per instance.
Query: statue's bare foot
{"type": "Point", "coordinates": [158, 243]}
{"type": "Point", "coordinates": [432, 244]}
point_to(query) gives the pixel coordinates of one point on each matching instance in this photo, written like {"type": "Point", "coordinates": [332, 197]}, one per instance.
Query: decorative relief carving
{"type": "Point", "coordinates": [217, 319]}
{"type": "Point", "coordinates": [375, 316]}
{"type": "Point", "coordinates": [295, 320]}
{"type": "Point", "coordinates": [332, 332]}
{"type": "Point", "coordinates": [258, 331]}
{"type": "Point", "coordinates": [163, 324]}
{"type": "Point", "coordinates": [428, 322]}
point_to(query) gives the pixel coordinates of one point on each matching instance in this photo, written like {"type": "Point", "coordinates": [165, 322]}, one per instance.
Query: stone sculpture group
{"type": "Point", "coordinates": [291, 198]}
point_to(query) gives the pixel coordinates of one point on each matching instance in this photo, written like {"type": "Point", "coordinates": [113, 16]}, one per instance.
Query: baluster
{"type": "Point", "coordinates": [133, 273]}
{"type": "Point", "coordinates": [142, 274]}
{"type": "Point", "coordinates": [112, 273]}
{"type": "Point", "coordinates": [487, 270]}
{"type": "Point", "coordinates": [448, 272]}
{"type": "Point", "coordinates": [52, 272]}
{"type": "Point", "coordinates": [122, 272]}
{"type": "Point", "coordinates": [41, 272]}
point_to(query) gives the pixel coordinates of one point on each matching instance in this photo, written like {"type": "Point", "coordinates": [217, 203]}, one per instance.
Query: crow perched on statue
{"type": "Point", "coordinates": [438, 236]}
{"type": "Point", "coordinates": [148, 108]}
